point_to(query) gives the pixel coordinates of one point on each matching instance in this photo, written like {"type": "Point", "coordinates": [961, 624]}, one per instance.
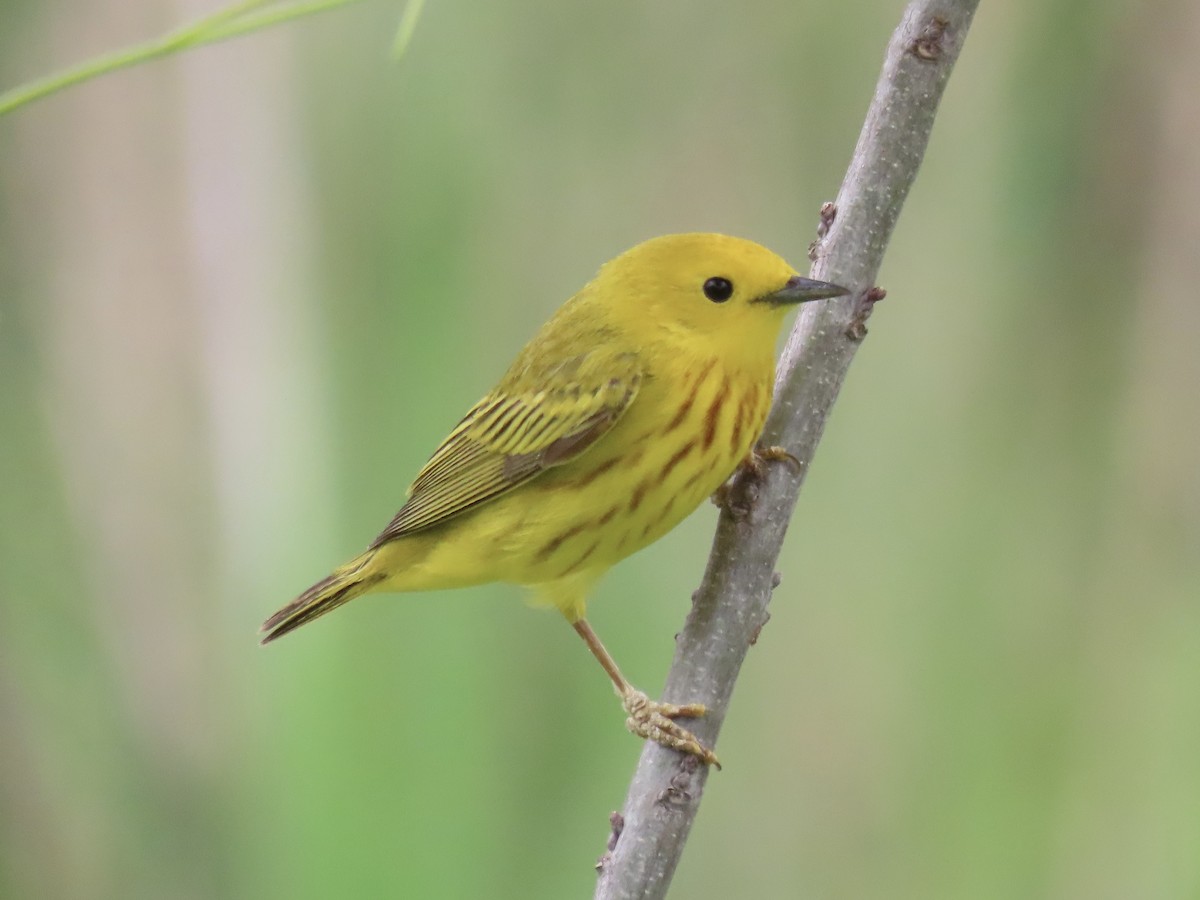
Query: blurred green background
{"type": "Point", "coordinates": [244, 293]}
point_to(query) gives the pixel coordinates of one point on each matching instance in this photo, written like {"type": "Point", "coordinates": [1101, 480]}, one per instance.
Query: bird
{"type": "Point", "coordinates": [635, 401]}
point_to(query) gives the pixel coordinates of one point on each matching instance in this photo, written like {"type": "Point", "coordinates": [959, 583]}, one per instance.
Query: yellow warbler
{"type": "Point", "coordinates": [637, 400]}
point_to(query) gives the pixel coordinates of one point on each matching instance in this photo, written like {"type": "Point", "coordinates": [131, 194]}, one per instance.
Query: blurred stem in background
{"type": "Point", "coordinates": [231, 21]}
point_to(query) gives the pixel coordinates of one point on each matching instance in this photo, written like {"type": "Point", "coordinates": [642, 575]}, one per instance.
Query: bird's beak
{"type": "Point", "coordinates": [800, 290]}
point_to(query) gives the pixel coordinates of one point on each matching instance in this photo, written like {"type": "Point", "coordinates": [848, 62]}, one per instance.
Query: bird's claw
{"type": "Point", "coordinates": [737, 494]}
{"type": "Point", "coordinates": [655, 721]}
{"type": "Point", "coordinates": [756, 460]}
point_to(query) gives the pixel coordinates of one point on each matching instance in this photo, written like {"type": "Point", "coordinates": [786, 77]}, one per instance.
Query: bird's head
{"type": "Point", "coordinates": [706, 289]}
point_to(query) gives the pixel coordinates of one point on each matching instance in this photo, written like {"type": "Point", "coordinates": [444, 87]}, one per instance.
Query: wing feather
{"type": "Point", "coordinates": [532, 422]}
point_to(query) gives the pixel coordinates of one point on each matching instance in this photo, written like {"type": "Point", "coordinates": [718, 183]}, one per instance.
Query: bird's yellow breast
{"type": "Point", "coordinates": [687, 438]}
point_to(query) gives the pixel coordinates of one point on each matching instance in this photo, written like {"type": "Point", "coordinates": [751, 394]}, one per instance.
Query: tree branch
{"type": "Point", "coordinates": [730, 607]}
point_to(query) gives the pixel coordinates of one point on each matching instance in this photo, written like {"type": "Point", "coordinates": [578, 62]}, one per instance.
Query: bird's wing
{"type": "Point", "coordinates": [512, 435]}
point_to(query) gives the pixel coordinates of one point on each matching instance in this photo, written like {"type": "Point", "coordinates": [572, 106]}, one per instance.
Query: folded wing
{"type": "Point", "coordinates": [532, 422]}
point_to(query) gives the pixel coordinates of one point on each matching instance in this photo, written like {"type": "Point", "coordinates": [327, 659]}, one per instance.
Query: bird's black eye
{"type": "Point", "coordinates": [718, 290]}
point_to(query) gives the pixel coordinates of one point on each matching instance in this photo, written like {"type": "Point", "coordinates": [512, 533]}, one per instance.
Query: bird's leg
{"type": "Point", "coordinates": [648, 718]}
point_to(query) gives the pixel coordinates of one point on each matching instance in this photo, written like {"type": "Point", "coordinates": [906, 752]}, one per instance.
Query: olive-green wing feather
{"type": "Point", "coordinates": [531, 422]}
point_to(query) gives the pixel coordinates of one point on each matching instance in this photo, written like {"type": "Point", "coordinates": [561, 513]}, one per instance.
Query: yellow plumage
{"type": "Point", "coordinates": [629, 407]}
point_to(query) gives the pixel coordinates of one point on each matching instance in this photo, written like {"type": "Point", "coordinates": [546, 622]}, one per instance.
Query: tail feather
{"type": "Point", "coordinates": [326, 595]}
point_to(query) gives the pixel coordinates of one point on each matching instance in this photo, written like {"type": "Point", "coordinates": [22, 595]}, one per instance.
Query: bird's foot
{"type": "Point", "coordinates": [655, 721]}
{"type": "Point", "coordinates": [737, 495]}
{"type": "Point", "coordinates": [756, 460]}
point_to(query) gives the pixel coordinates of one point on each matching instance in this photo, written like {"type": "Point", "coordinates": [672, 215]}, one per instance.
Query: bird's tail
{"type": "Point", "coordinates": [355, 578]}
